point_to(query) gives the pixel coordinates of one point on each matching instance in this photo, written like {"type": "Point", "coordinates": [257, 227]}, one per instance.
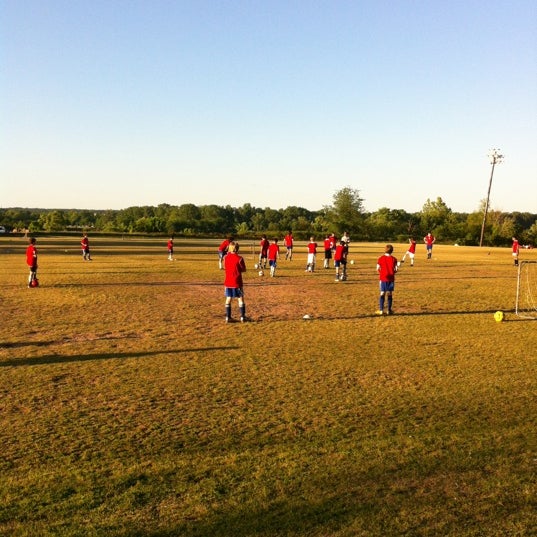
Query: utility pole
{"type": "Point", "coordinates": [495, 158]}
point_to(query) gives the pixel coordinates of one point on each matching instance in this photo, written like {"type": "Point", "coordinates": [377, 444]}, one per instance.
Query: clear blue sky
{"type": "Point", "coordinates": [107, 104]}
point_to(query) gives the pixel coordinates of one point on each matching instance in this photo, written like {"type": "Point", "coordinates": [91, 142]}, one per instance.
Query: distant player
{"type": "Point", "coordinates": [170, 249]}
{"type": "Point", "coordinates": [263, 252]}
{"type": "Point", "coordinates": [386, 267]}
{"type": "Point", "coordinates": [288, 242]}
{"type": "Point", "coordinates": [234, 266]}
{"type": "Point", "coordinates": [340, 261]}
{"type": "Point", "coordinates": [411, 252]}
{"type": "Point", "coordinates": [327, 251]}
{"type": "Point", "coordinates": [273, 256]}
{"type": "Point", "coordinates": [84, 243]}
{"type": "Point", "coordinates": [312, 254]}
{"type": "Point", "coordinates": [429, 240]}
{"type": "Point", "coordinates": [31, 261]}
{"type": "Point", "coordinates": [516, 251]}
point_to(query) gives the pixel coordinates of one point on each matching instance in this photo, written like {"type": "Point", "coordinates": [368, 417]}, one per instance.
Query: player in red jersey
{"type": "Point", "coordinates": [411, 252]}
{"type": "Point", "coordinates": [234, 266]}
{"type": "Point", "coordinates": [288, 241]}
{"type": "Point", "coordinates": [264, 246]}
{"type": "Point", "coordinates": [273, 255]}
{"type": "Point", "coordinates": [386, 267]}
{"type": "Point", "coordinates": [170, 249]}
{"type": "Point", "coordinates": [31, 261]}
{"type": "Point", "coordinates": [340, 261]}
{"type": "Point", "coordinates": [84, 243]}
{"type": "Point", "coordinates": [429, 240]}
{"type": "Point", "coordinates": [516, 250]}
{"type": "Point", "coordinates": [327, 251]}
{"type": "Point", "coordinates": [312, 253]}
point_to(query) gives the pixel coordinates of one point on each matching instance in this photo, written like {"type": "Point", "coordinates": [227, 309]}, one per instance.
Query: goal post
{"type": "Point", "coordinates": [526, 290]}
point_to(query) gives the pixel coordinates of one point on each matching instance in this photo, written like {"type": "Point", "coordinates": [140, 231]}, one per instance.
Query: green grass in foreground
{"type": "Point", "coordinates": [128, 407]}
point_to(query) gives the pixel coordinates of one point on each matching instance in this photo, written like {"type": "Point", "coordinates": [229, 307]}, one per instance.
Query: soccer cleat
{"type": "Point", "coordinates": [379, 312]}
{"type": "Point", "coordinates": [230, 320]}
{"type": "Point", "coordinates": [390, 312]}
{"type": "Point", "coordinates": [244, 320]}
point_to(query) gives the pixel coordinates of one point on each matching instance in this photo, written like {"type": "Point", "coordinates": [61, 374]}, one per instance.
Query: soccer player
{"type": "Point", "coordinates": [411, 252]}
{"type": "Point", "coordinates": [288, 241]}
{"type": "Point", "coordinates": [429, 240]}
{"type": "Point", "coordinates": [264, 246]}
{"type": "Point", "coordinates": [516, 250]}
{"type": "Point", "coordinates": [340, 261]}
{"type": "Point", "coordinates": [312, 252]}
{"type": "Point", "coordinates": [273, 255]}
{"type": "Point", "coordinates": [222, 251]}
{"type": "Point", "coordinates": [31, 261]}
{"type": "Point", "coordinates": [234, 267]}
{"type": "Point", "coordinates": [386, 267]}
{"type": "Point", "coordinates": [85, 248]}
{"type": "Point", "coordinates": [170, 249]}
{"type": "Point", "coordinates": [327, 251]}
{"type": "Point", "coordinates": [347, 240]}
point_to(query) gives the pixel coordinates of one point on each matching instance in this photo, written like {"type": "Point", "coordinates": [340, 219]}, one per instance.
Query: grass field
{"type": "Point", "coordinates": [129, 408]}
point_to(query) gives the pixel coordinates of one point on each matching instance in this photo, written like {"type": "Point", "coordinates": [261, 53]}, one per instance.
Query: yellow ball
{"type": "Point", "coordinates": [498, 316]}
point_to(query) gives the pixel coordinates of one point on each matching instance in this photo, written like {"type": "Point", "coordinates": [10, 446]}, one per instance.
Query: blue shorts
{"type": "Point", "coordinates": [272, 263]}
{"type": "Point", "coordinates": [387, 287]}
{"type": "Point", "coordinates": [234, 292]}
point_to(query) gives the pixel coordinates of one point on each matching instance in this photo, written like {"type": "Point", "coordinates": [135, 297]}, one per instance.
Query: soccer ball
{"type": "Point", "coordinates": [256, 266]}
{"type": "Point", "coordinates": [34, 283]}
{"type": "Point", "coordinates": [306, 317]}
{"type": "Point", "coordinates": [261, 273]}
{"type": "Point", "coordinates": [499, 316]}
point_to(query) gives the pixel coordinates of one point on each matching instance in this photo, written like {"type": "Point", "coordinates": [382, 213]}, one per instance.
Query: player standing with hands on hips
{"type": "Point", "coordinates": [234, 266]}
{"type": "Point", "coordinates": [386, 267]}
{"type": "Point", "coordinates": [429, 240]}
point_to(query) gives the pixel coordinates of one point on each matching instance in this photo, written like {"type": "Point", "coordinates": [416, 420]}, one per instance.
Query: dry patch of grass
{"type": "Point", "coordinates": [128, 407]}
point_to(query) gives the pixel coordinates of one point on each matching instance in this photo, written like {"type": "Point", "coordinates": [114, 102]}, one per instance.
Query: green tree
{"type": "Point", "coordinates": [346, 212]}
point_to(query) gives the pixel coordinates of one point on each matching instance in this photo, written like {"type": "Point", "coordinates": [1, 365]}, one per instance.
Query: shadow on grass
{"type": "Point", "coordinates": [62, 359]}
{"type": "Point", "coordinates": [283, 518]}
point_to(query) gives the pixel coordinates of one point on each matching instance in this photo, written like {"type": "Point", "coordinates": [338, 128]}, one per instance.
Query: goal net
{"type": "Point", "coordinates": [526, 290]}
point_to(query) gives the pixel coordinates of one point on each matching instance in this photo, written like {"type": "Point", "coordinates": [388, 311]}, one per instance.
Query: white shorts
{"type": "Point", "coordinates": [311, 259]}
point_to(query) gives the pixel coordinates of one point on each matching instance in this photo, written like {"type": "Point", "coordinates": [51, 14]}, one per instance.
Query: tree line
{"type": "Point", "coordinates": [345, 213]}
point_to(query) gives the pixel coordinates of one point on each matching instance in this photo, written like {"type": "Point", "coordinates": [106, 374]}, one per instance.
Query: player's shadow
{"type": "Point", "coordinates": [63, 359]}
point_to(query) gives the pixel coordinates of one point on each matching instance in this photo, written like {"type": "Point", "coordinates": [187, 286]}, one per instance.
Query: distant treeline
{"type": "Point", "coordinates": [346, 213]}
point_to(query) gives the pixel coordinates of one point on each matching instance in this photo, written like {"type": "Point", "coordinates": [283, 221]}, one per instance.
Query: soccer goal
{"type": "Point", "coordinates": [526, 290]}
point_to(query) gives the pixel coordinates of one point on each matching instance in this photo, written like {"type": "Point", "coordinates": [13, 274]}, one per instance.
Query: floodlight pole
{"type": "Point", "coordinates": [495, 158]}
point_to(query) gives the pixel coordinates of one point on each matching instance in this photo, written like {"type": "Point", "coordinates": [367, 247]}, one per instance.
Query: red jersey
{"type": "Point", "coordinates": [312, 247]}
{"type": "Point", "coordinates": [170, 245]}
{"type": "Point", "coordinates": [429, 239]}
{"type": "Point", "coordinates": [273, 252]}
{"type": "Point", "coordinates": [84, 243]}
{"type": "Point", "coordinates": [234, 266]}
{"type": "Point", "coordinates": [224, 246]}
{"type": "Point", "coordinates": [31, 255]}
{"type": "Point", "coordinates": [412, 247]}
{"type": "Point", "coordinates": [328, 243]}
{"type": "Point", "coordinates": [387, 267]}
{"type": "Point", "coordinates": [264, 244]}
{"type": "Point", "coordinates": [288, 241]}
{"type": "Point", "coordinates": [340, 253]}
{"type": "Point", "coordinates": [515, 247]}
